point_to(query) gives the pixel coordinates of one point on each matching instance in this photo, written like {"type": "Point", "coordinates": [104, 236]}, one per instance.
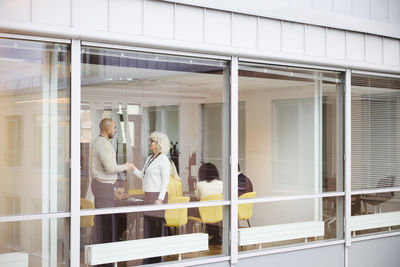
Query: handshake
{"type": "Point", "coordinates": [130, 167]}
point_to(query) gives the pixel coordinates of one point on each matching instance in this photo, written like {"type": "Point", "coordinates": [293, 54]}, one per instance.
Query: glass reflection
{"type": "Point", "coordinates": [289, 129]}
{"type": "Point", "coordinates": [35, 243]}
{"type": "Point", "coordinates": [375, 212]}
{"type": "Point", "coordinates": [181, 97]}
{"type": "Point", "coordinates": [131, 226]}
{"type": "Point", "coordinates": [291, 223]}
{"type": "Point", "coordinates": [168, 116]}
{"type": "Point", "coordinates": [35, 122]}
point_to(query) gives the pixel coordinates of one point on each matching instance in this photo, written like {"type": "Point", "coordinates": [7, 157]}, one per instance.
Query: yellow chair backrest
{"type": "Point", "coordinates": [174, 185]}
{"type": "Point", "coordinates": [211, 214]}
{"type": "Point", "coordinates": [246, 210]}
{"type": "Point", "coordinates": [135, 192]}
{"type": "Point", "coordinates": [87, 221]}
{"type": "Point", "coordinates": [176, 217]}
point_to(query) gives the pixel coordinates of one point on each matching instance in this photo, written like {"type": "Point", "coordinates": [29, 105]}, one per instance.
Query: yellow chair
{"type": "Point", "coordinates": [212, 214]}
{"type": "Point", "coordinates": [87, 221]}
{"type": "Point", "coordinates": [135, 192]}
{"type": "Point", "coordinates": [174, 185]}
{"type": "Point", "coordinates": [176, 217]}
{"type": "Point", "coordinates": [246, 210]}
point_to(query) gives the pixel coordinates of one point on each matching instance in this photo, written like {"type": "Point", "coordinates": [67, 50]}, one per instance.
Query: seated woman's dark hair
{"type": "Point", "coordinates": [208, 172]}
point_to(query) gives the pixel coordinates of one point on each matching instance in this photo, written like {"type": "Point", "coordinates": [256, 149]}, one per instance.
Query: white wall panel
{"type": "Point", "coordinates": [18, 10]}
{"type": "Point", "coordinates": [189, 23]}
{"type": "Point", "coordinates": [391, 51]}
{"type": "Point", "coordinates": [52, 12]}
{"type": "Point", "coordinates": [323, 5]}
{"type": "Point", "coordinates": [394, 11]}
{"type": "Point", "coordinates": [360, 8]}
{"type": "Point", "coordinates": [342, 7]}
{"type": "Point", "coordinates": [158, 19]}
{"type": "Point", "coordinates": [90, 14]}
{"type": "Point", "coordinates": [126, 16]}
{"type": "Point", "coordinates": [293, 37]}
{"type": "Point", "coordinates": [244, 31]}
{"type": "Point", "coordinates": [218, 27]}
{"type": "Point", "coordinates": [303, 4]}
{"type": "Point", "coordinates": [379, 10]}
{"type": "Point", "coordinates": [274, 3]}
{"type": "Point", "coordinates": [355, 46]}
{"type": "Point", "coordinates": [315, 41]}
{"type": "Point", "coordinates": [373, 49]}
{"type": "Point", "coordinates": [351, 15]}
{"type": "Point", "coordinates": [335, 44]}
{"type": "Point", "coordinates": [207, 31]}
{"type": "Point", "coordinates": [269, 34]}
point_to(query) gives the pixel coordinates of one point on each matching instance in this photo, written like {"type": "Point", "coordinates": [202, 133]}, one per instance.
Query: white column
{"type": "Point", "coordinates": [234, 158]}
{"type": "Point", "coordinates": [75, 152]}
{"type": "Point", "coordinates": [347, 156]}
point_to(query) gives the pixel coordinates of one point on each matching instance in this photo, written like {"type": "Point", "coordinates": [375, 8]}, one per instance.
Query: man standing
{"type": "Point", "coordinates": [104, 171]}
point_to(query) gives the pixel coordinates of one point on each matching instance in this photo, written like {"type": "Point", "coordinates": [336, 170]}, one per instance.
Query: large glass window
{"type": "Point", "coordinates": [35, 126]}
{"type": "Point", "coordinates": [290, 144]}
{"type": "Point", "coordinates": [375, 155]}
{"type": "Point", "coordinates": [171, 122]}
{"type": "Point", "coordinates": [34, 153]}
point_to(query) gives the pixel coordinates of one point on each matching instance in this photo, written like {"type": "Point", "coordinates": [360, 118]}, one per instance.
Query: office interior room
{"type": "Point", "coordinates": [185, 98]}
{"type": "Point", "coordinates": [289, 137]}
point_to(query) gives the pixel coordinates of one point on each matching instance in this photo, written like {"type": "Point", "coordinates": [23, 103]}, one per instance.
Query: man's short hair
{"type": "Point", "coordinates": [104, 123]}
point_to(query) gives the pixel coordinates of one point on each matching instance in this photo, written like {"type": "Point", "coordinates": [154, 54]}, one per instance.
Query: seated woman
{"type": "Point", "coordinates": [209, 181]}
{"type": "Point", "coordinates": [209, 184]}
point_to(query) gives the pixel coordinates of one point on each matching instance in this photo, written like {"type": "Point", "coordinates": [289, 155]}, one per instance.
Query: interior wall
{"type": "Point", "coordinates": [190, 134]}
{"type": "Point", "coordinates": [258, 156]}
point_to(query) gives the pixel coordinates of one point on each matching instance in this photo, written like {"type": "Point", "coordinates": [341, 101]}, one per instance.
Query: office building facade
{"type": "Point", "coordinates": [304, 96]}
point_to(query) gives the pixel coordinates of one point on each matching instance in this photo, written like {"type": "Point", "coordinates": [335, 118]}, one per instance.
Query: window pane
{"type": "Point", "coordinates": [35, 243]}
{"type": "Point", "coordinates": [35, 124]}
{"type": "Point", "coordinates": [375, 111]}
{"type": "Point", "coordinates": [290, 222]}
{"type": "Point", "coordinates": [177, 223]}
{"type": "Point", "coordinates": [181, 97]}
{"type": "Point", "coordinates": [290, 136]}
{"type": "Point", "coordinates": [375, 212]}
{"type": "Point", "coordinates": [183, 100]}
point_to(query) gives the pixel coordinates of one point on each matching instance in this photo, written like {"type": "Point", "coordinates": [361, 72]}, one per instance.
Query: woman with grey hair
{"type": "Point", "coordinates": [155, 179]}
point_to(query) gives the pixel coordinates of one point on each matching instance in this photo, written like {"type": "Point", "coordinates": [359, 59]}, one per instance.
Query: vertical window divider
{"type": "Point", "coordinates": [75, 152]}
{"type": "Point", "coordinates": [234, 69]}
{"type": "Point", "coordinates": [347, 157]}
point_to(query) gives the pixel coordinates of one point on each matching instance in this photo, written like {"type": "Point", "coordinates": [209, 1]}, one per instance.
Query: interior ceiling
{"type": "Point", "coordinates": [158, 83]}
{"type": "Point", "coordinates": [104, 81]}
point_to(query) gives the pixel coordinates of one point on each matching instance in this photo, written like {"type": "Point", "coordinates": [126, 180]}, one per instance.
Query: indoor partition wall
{"type": "Point", "coordinates": [290, 155]}
{"type": "Point", "coordinates": [34, 152]}
{"type": "Point", "coordinates": [186, 100]}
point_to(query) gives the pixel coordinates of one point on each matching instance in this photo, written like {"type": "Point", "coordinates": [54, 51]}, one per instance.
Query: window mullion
{"type": "Point", "coordinates": [75, 152]}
